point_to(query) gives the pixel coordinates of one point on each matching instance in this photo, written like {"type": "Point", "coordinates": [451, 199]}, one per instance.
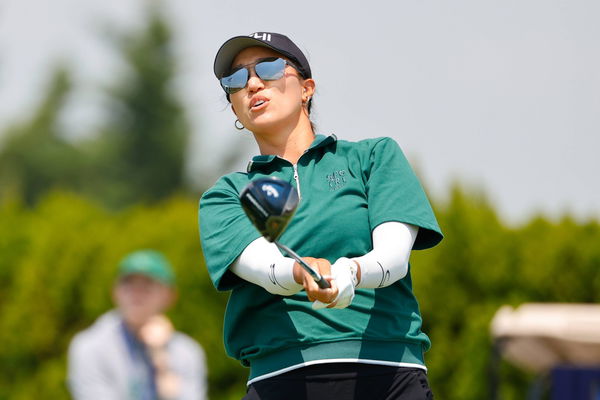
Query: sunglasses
{"type": "Point", "coordinates": [267, 69]}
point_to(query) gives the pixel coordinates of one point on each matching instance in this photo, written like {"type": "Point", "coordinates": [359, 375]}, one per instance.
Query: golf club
{"type": "Point", "coordinates": [270, 204]}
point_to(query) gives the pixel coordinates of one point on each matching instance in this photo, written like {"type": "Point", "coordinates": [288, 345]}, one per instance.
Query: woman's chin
{"type": "Point", "coordinates": [267, 123]}
{"type": "Point", "coordinates": [262, 125]}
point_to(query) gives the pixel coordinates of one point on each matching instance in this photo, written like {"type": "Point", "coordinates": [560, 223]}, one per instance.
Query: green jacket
{"type": "Point", "coordinates": [346, 189]}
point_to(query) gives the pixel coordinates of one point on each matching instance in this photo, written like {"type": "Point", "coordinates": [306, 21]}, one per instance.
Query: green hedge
{"type": "Point", "coordinates": [58, 261]}
{"type": "Point", "coordinates": [483, 264]}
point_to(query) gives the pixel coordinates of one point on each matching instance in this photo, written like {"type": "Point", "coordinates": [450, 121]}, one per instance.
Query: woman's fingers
{"type": "Point", "coordinates": [313, 290]}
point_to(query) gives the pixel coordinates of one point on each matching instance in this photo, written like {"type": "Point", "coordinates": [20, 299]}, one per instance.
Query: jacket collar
{"type": "Point", "coordinates": [261, 160]}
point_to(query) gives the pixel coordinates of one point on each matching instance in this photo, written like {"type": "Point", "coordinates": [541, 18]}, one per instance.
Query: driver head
{"type": "Point", "coordinates": [270, 204]}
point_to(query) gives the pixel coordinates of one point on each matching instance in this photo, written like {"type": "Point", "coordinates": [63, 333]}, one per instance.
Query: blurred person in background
{"type": "Point", "coordinates": [133, 352]}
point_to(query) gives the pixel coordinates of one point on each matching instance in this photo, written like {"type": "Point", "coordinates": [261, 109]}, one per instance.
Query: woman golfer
{"type": "Point", "coordinates": [361, 212]}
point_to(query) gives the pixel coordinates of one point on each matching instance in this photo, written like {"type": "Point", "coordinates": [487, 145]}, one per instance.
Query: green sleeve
{"type": "Point", "coordinates": [225, 231]}
{"type": "Point", "coordinates": [395, 193]}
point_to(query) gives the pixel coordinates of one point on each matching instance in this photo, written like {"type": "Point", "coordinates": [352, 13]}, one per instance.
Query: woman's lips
{"type": "Point", "coordinates": [258, 103]}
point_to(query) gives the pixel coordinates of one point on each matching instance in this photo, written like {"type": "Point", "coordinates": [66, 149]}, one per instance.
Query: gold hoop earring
{"type": "Point", "coordinates": [240, 127]}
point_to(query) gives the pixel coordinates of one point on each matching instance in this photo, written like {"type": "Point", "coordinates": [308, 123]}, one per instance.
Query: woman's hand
{"type": "Point", "coordinates": [323, 267]}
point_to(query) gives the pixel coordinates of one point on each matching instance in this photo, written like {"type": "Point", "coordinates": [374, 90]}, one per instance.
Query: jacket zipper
{"type": "Point", "coordinates": [297, 179]}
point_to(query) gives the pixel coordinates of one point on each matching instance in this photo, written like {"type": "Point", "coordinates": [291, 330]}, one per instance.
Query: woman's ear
{"type": "Point", "coordinates": [308, 89]}
{"type": "Point", "coordinates": [233, 109]}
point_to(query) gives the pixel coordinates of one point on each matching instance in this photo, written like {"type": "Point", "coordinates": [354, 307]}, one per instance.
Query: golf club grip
{"type": "Point", "coordinates": [323, 284]}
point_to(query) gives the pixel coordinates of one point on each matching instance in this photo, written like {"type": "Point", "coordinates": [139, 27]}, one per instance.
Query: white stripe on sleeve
{"type": "Point", "coordinates": [388, 261]}
{"type": "Point", "coordinates": [262, 263]}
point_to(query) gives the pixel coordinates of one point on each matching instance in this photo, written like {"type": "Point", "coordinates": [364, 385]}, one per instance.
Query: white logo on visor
{"type": "Point", "coordinates": [261, 36]}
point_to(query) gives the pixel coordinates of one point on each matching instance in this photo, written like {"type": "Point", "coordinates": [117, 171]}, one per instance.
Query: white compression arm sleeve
{"type": "Point", "coordinates": [388, 261]}
{"type": "Point", "coordinates": [262, 263]}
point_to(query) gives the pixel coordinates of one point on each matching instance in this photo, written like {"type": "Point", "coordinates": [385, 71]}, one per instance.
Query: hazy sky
{"type": "Point", "coordinates": [500, 95]}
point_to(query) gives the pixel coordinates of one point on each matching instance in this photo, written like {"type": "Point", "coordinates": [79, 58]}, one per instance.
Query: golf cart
{"type": "Point", "coordinates": [559, 342]}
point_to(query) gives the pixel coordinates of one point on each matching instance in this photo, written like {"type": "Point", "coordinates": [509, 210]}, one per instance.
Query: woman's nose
{"type": "Point", "coordinates": [255, 83]}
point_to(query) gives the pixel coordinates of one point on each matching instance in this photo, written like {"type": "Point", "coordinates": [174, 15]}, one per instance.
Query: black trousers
{"type": "Point", "coordinates": [352, 381]}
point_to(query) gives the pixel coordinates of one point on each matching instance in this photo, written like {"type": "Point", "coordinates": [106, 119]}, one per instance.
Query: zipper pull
{"type": "Point", "coordinates": [297, 179]}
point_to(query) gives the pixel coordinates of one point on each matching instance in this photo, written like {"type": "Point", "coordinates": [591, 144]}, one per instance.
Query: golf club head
{"type": "Point", "coordinates": [270, 204]}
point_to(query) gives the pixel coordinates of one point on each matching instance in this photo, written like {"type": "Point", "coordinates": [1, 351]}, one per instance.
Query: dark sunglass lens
{"type": "Point", "coordinates": [270, 70]}
{"type": "Point", "coordinates": [236, 81]}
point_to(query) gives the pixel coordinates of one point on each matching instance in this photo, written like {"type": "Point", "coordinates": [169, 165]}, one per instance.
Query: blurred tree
{"type": "Point", "coordinates": [34, 156]}
{"type": "Point", "coordinates": [139, 154]}
{"type": "Point", "coordinates": [140, 151]}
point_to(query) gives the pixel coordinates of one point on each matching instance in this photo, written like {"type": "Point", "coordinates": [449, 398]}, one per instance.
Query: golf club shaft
{"type": "Point", "coordinates": [323, 284]}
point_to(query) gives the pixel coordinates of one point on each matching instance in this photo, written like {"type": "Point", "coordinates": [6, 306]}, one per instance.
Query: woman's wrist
{"type": "Point", "coordinates": [262, 263]}
{"type": "Point", "coordinates": [356, 272]}
{"type": "Point", "coordinates": [297, 273]}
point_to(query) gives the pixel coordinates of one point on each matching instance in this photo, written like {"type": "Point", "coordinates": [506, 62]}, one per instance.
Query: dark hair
{"type": "Point", "coordinates": [313, 126]}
